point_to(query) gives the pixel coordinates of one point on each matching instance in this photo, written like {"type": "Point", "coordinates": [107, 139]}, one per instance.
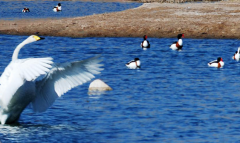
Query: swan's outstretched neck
{"type": "Point", "coordinates": [30, 39]}
{"type": "Point", "coordinates": [16, 51]}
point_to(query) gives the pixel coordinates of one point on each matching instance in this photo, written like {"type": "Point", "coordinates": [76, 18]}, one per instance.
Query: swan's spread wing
{"type": "Point", "coordinates": [28, 69]}
{"type": "Point", "coordinates": [61, 79]}
{"type": "Point", "coordinates": [32, 68]}
{"type": "Point", "coordinates": [17, 72]}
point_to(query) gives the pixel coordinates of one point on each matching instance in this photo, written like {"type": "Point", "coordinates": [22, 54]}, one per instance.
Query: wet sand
{"type": "Point", "coordinates": [195, 20]}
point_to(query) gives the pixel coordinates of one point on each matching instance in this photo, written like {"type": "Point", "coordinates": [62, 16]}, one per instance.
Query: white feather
{"type": "Point", "coordinates": [216, 64]}
{"type": "Point", "coordinates": [174, 45]}
{"type": "Point", "coordinates": [236, 56]}
{"type": "Point", "coordinates": [19, 87]}
{"type": "Point", "coordinates": [145, 43]}
{"type": "Point", "coordinates": [61, 79]}
{"type": "Point", "coordinates": [134, 64]}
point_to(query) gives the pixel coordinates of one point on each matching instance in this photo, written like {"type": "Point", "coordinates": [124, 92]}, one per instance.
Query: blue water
{"type": "Point", "coordinates": [43, 9]}
{"type": "Point", "coordinates": [174, 97]}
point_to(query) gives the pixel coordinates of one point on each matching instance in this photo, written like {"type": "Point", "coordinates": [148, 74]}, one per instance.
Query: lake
{"type": "Point", "coordinates": [11, 10]}
{"type": "Point", "coordinates": [174, 97]}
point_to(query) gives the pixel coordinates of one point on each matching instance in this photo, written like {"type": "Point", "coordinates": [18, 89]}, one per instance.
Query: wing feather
{"type": "Point", "coordinates": [61, 79]}
{"type": "Point", "coordinates": [32, 68]}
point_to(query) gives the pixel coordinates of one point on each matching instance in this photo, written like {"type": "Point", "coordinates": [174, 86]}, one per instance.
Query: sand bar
{"type": "Point", "coordinates": [195, 20]}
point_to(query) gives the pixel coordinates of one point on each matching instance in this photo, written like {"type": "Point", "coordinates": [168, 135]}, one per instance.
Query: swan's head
{"type": "Point", "coordinates": [33, 38]}
{"type": "Point", "coordinates": [30, 39]}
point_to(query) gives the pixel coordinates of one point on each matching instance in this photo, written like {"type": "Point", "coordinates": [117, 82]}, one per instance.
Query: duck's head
{"type": "Point", "coordinates": [145, 37]}
{"type": "Point", "coordinates": [136, 59]}
{"type": "Point", "coordinates": [59, 4]}
{"type": "Point", "coordinates": [180, 36]}
{"type": "Point", "coordinates": [219, 59]}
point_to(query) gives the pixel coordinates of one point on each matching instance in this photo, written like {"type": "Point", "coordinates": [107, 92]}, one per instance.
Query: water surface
{"type": "Point", "coordinates": [43, 9]}
{"type": "Point", "coordinates": [174, 97]}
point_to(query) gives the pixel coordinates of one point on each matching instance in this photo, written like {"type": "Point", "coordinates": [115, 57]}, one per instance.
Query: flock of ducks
{"type": "Point", "coordinates": [57, 8]}
{"type": "Point", "coordinates": [135, 64]}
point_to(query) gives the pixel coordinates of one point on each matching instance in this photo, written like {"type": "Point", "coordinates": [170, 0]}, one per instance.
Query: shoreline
{"type": "Point", "coordinates": [219, 20]}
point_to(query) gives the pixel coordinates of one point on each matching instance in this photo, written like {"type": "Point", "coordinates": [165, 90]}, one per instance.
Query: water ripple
{"type": "Point", "coordinates": [174, 97]}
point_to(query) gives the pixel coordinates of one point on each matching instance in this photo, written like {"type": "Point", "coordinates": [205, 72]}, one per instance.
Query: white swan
{"type": "Point", "coordinates": [19, 87]}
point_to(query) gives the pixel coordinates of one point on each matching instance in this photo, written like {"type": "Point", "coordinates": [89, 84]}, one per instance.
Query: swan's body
{"type": "Point", "coordinates": [57, 8]}
{"type": "Point", "coordinates": [19, 87]}
{"type": "Point", "coordinates": [216, 63]}
{"type": "Point", "coordinates": [134, 64]}
{"type": "Point", "coordinates": [236, 55]}
{"type": "Point", "coordinates": [179, 44]}
{"type": "Point", "coordinates": [145, 43]}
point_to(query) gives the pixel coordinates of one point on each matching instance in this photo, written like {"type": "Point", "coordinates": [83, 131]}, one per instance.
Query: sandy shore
{"type": "Point", "coordinates": [195, 20]}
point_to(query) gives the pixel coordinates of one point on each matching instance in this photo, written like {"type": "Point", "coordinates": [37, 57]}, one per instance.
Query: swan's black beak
{"type": "Point", "coordinates": [37, 38]}
{"type": "Point", "coordinates": [41, 38]}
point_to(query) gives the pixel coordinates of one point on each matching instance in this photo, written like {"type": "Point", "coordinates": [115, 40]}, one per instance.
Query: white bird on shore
{"type": "Point", "coordinates": [216, 63]}
{"type": "Point", "coordinates": [134, 64]}
{"type": "Point", "coordinates": [57, 8]}
{"type": "Point", "coordinates": [178, 44]}
{"type": "Point", "coordinates": [236, 55]}
{"type": "Point", "coordinates": [19, 85]}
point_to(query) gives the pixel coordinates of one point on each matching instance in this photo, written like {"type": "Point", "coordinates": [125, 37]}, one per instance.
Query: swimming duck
{"type": "Point", "coordinates": [236, 55]}
{"type": "Point", "coordinates": [20, 85]}
{"type": "Point", "coordinates": [134, 64]}
{"type": "Point", "coordinates": [145, 43]}
{"type": "Point", "coordinates": [216, 63]}
{"type": "Point", "coordinates": [57, 8]}
{"type": "Point", "coordinates": [178, 44]}
{"type": "Point", "coordinates": [26, 10]}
